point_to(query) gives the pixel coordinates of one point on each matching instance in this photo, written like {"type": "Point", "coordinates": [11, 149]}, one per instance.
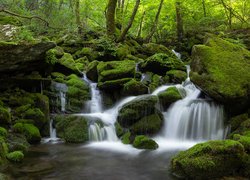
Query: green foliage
{"type": "Point", "coordinates": [16, 156]}
{"type": "Point", "coordinates": [126, 138]}
{"type": "Point", "coordinates": [3, 132]}
{"type": "Point", "coordinates": [5, 115]}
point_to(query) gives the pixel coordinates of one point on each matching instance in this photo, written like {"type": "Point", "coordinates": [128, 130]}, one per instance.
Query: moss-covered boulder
{"type": "Point", "coordinates": [153, 48]}
{"type": "Point", "coordinates": [135, 88]}
{"type": "Point", "coordinates": [67, 65]}
{"type": "Point", "coordinates": [237, 120]}
{"type": "Point", "coordinates": [30, 131]}
{"type": "Point", "coordinates": [169, 96]}
{"type": "Point", "coordinates": [86, 52]}
{"type": "Point", "coordinates": [3, 150]}
{"type": "Point", "coordinates": [17, 142]}
{"type": "Point", "coordinates": [176, 76]}
{"type": "Point", "coordinates": [92, 71]}
{"type": "Point", "coordinates": [16, 156]}
{"type": "Point", "coordinates": [150, 124]}
{"type": "Point", "coordinates": [126, 138]}
{"type": "Point", "coordinates": [72, 129]}
{"type": "Point", "coordinates": [136, 109]}
{"type": "Point", "coordinates": [77, 94]}
{"type": "Point", "coordinates": [244, 140]}
{"type": "Point", "coordinates": [212, 159]}
{"type": "Point", "coordinates": [3, 132]}
{"type": "Point", "coordinates": [5, 115]}
{"type": "Point", "coordinates": [243, 129]}
{"type": "Point", "coordinates": [113, 74]}
{"type": "Point", "coordinates": [144, 142]}
{"type": "Point", "coordinates": [161, 63]}
{"type": "Point", "coordinates": [222, 70]}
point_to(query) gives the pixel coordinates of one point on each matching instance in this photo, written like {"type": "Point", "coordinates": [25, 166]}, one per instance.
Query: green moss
{"type": "Point", "coordinates": [50, 57]}
{"type": "Point", "coordinates": [16, 156]}
{"type": "Point", "coordinates": [3, 150]}
{"type": "Point", "coordinates": [134, 87]}
{"type": "Point", "coordinates": [156, 82]}
{"type": "Point", "coordinates": [3, 132]}
{"type": "Point", "coordinates": [243, 129]}
{"type": "Point", "coordinates": [88, 52]}
{"type": "Point", "coordinates": [68, 61]}
{"type": "Point", "coordinates": [113, 84]}
{"type": "Point", "coordinates": [219, 66]}
{"type": "Point", "coordinates": [237, 120]}
{"type": "Point", "coordinates": [5, 116]}
{"type": "Point", "coordinates": [161, 63]}
{"type": "Point", "coordinates": [244, 140]}
{"type": "Point", "coordinates": [10, 20]}
{"type": "Point", "coordinates": [30, 131]}
{"type": "Point", "coordinates": [169, 96]}
{"type": "Point", "coordinates": [143, 142]}
{"type": "Point", "coordinates": [72, 128]}
{"type": "Point", "coordinates": [177, 76]}
{"type": "Point", "coordinates": [148, 125]}
{"type": "Point", "coordinates": [5, 43]}
{"type": "Point", "coordinates": [115, 70]}
{"type": "Point", "coordinates": [58, 77]}
{"type": "Point", "coordinates": [207, 160]}
{"type": "Point", "coordinates": [123, 51]}
{"type": "Point", "coordinates": [152, 48]}
{"type": "Point", "coordinates": [133, 111]}
{"type": "Point", "coordinates": [36, 115]}
{"type": "Point", "coordinates": [17, 142]}
{"type": "Point", "coordinates": [126, 138]}
{"type": "Point", "coordinates": [118, 129]}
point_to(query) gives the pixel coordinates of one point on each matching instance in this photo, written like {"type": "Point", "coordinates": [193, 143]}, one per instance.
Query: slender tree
{"type": "Point", "coordinates": [140, 25]}
{"type": "Point", "coordinates": [154, 27]}
{"type": "Point", "coordinates": [77, 15]}
{"type": "Point", "coordinates": [110, 17]}
{"type": "Point", "coordinates": [131, 20]}
{"type": "Point", "coordinates": [204, 8]}
{"type": "Point", "coordinates": [179, 23]}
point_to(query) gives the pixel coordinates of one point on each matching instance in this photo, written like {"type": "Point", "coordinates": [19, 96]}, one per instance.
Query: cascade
{"type": "Point", "coordinates": [52, 133]}
{"type": "Point", "coordinates": [61, 90]}
{"type": "Point", "coordinates": [95, 104]}
{"type": "Point", "coordinates": [178, 55]}
{"type": "Point", "coordinates": [189, 119]}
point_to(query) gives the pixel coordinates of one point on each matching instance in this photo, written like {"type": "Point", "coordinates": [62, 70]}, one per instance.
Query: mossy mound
{"type": "Point", "coordinates": [126, 138]}
{"type": "Point", "coordinates": [135, 88]}
{"type": "Point", "coordinates": [222, 70]}
{"type": "Point", "coordinates": [16, 156]}
{"type": "Point", "coordinates": [3, 150]}
{"type": "Point", "coordinates": [243, 129]}
{"type": "Point", "coordinates": [115, 70]}
{"type": "Point", "coordinates": [169, 96]}
{"type": "Point", "coordinates": [244, 140]}
{"type": "Point", "coordinates": [72, 129]}
{"type": "Point", "coordinates": [5, 115]}
{"type": "Point", "coordinates": [77, 94]}
{"type": "Point", "coordinates": [134, 110]}
{"type": "Point", "coordinates": [212, 159]}
{"type": "Point", "coordinates": [86, 52]}
{"type": "Point", "coordinates": [17, 142]}
{"type": "Point", "coordinates": [68, 65]}
{"type": "Point", "coordinates": [161, 63]}
{"type": "Point", "coordinates": [150, 124]}
{"type": "Point", "coordinates": [92, 71]}
{"type": "Point", "coordinates": [3, 132]}
{"type": "Point", "coordinates": [237, 120]}
{"type": "Point", "coordinates": [176, 76]}
{"type": "Point", "coordinates": [30, 131]}
{"type": "Point", "coordinates": [10, 20]}
{"type": "Point", "coordinates": [143, 142]}
{"type": "Point", "coordinates": [152, 48]}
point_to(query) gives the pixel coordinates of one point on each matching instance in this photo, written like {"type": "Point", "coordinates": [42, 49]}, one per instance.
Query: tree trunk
{"type": "Point", "coordinates": [179, 24]}
{"type": "Point", "coordinates": [110, 17]}
{"type": "Point", "coordinates": [204, 8]}
{"type": "Point", "coordinates": [77, 14]}
{"type": "Point", "coordinates": [154, 27]}
{"type": "Point", "coordinates": [140, 26]}
{"type": "Point", "coordinates": [131, 20]}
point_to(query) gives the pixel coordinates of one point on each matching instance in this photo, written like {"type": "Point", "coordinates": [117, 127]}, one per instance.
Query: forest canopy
{"type": "Point", "coordinates": [138, 17]}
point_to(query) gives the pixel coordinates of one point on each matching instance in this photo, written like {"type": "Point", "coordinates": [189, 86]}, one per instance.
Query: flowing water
{"type": "Point", "coordinates": [186, 122]}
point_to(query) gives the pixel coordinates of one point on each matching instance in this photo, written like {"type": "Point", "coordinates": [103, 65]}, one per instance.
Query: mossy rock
{"type": "Point", "coordinates": [17, 142]}
{"type": "Point", "coordinates": [5, 177]}
{"type": "Point", "coordinates": [37, 116]}
{"type": "Point", "coordinates": [136, 109]}
{"type": "Point", "coordinates": [218, 67]}
{"type": "Point", "coordinates": [3, 132]}
{"type": "Point", "coordinates": [3, 150]}
{"type": "Point", "coordinates": [143, 142]}
{"type": "Point", "coordinates": [58, 77]}
{"type": "Point", "coordinates": [161, 63]}
{"type": "Point", "coordinates": [149, 125]}
{"type": "Point", "coordinates": [237, 120]}
{"type": "Point", "coordinates": [156, 81]}
{"type": "Point", "coordinates": [30, 131]}
{"type": "Point", "coordinates": [118, 129]}
{"type": "Point", "coordinates": [16, 156]}
{"type": "Point", "coordinates": [123, 51]}
{"type": "Point", "coordinates": [10, 20]}
{"type": "Point", "coordinates": [243, 129]}
{"type": "Point", "coordinates": [72, 129]}
{"type": "Point", "coordinates": [135, 88]}
{"type": "Point", "coordinates": [68, 64]}
{"type": "Point", "coordinates": [5, 116]}
{"type": "Point", "coordinates": [152, 48]}
{"type": "Point", "coordinates": [126, 138]}
{"type": "Point", "coordinates": [244, 140]}
{"type": "Point", "coordinates": [113, 85]}
{"type": "Point", "coordinates": [169, 96]}
{"type": "Point", "coordinates": [176, 76]}
{"type": "Point", "coordinates": [92, 71]}
{"type": "Point", "coordinates": [114, 70]}
{"type": "Point", "coordinates": [212, 159]}
{"type": "Point", "coordinates": [86, 52]}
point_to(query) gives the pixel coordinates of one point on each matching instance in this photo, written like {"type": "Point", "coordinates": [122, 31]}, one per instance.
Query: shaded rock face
{"type": "Point", "coordinates": [141, 116]}
{"type": "Point", "coordinates": [15, 58]}
{"type": "Point", "coordinates": [222, 70]}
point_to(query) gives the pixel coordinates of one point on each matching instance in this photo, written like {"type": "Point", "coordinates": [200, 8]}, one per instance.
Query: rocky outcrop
{"type": "Point", "coordinates": [23, 58]}
{"type": "Point", "coordinates": [222, 70]}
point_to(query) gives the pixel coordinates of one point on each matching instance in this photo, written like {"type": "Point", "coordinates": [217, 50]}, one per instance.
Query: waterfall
{"type": "Point", "coordinates": [178, 55]}
{"type": "Point", "coordinates": [95, 104]}
{"type": "Point", "coordinates": [61, 90]}
{"type": "Point", "coordinates": [52, 133]}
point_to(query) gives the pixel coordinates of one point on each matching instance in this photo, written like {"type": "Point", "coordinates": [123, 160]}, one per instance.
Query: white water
{"type": "Point", "coordinates": [52, 134]}
{"type": "Point", "coordinates": [186, 122]}
{"type": "Point", "coordinates": [178, 55]}
{"type": "Point", "coordinates": [61, 90]}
